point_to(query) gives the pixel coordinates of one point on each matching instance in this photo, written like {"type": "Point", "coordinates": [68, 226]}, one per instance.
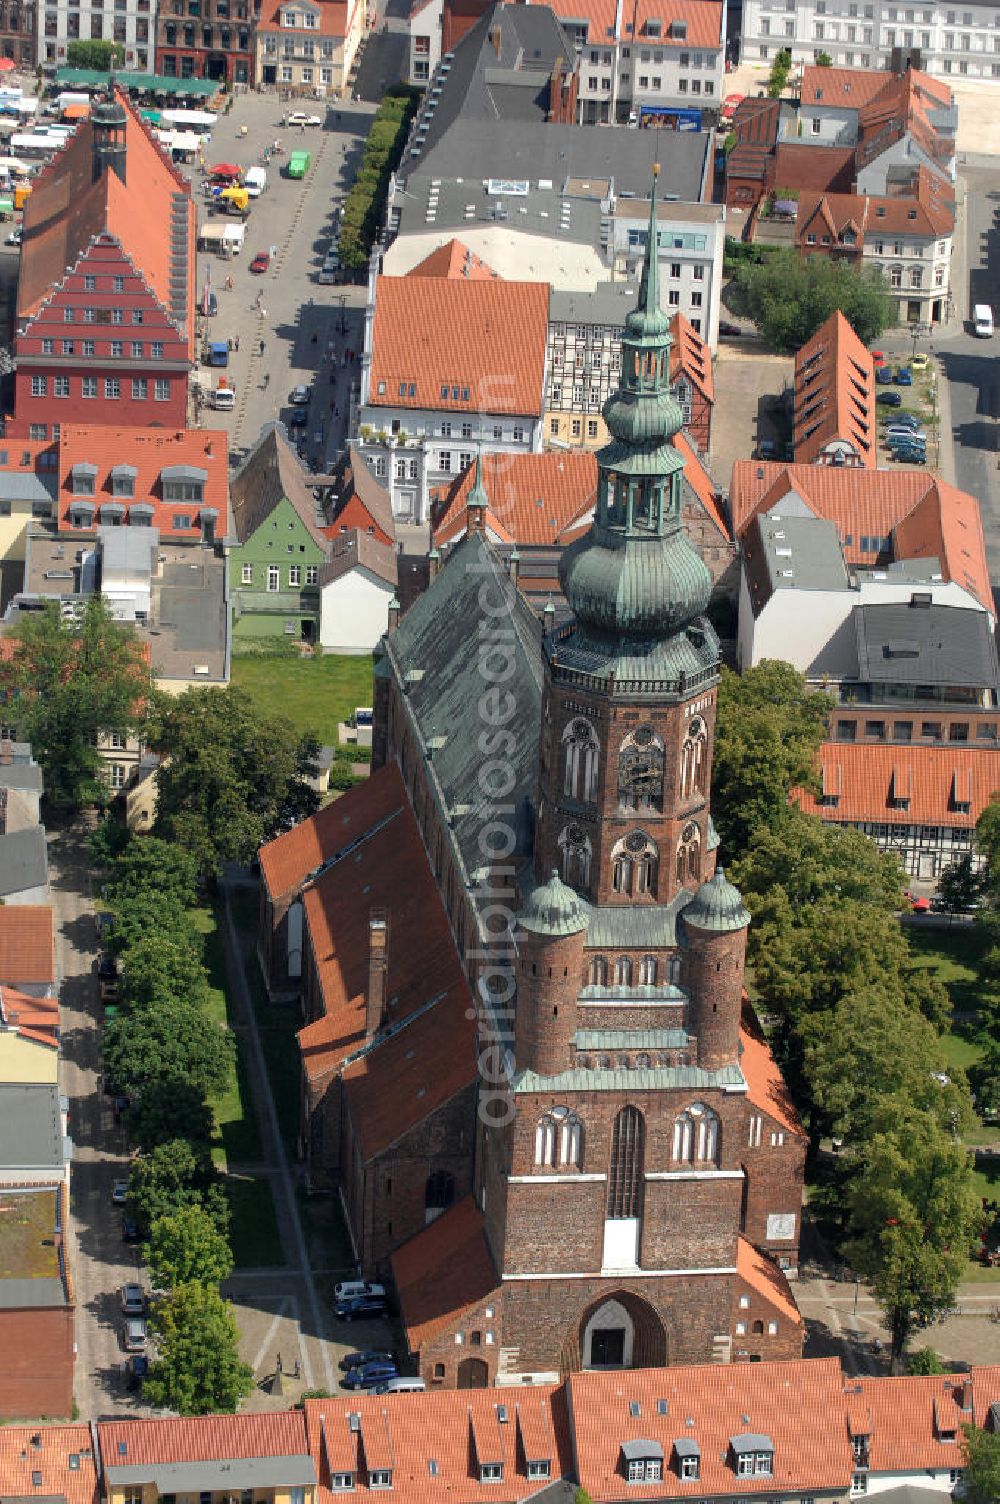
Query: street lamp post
{"type": "Point", "coordinates": [342, 300]}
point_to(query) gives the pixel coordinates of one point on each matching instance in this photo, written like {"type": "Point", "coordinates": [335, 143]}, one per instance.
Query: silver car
{"type": "Point", "coordinates": [133, 1300]}
{"type": "Point", "coordinates": [134, 1336]}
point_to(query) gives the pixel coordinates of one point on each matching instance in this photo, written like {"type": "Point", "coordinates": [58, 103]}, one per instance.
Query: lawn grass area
{"type": "Point", "coordinates": [277, 1025]}
{"type": "Point", "coordinates": [952, 955]}
{"type": "Point", "coordinates": [253, 1230]}
{"type": "Point", "coordinates": [314, 694]}
{"type": "Point", "coordinates": [236, 1139]}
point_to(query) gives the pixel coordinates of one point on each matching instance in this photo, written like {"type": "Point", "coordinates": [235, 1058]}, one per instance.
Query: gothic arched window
{"type": "Point", "coordinates": [597, 976]}
{"type": "Point", "coordinates": [558, 1138]}
{"type": "Point", "coordinates": [640, 770]}
{"type": "Point", "coordinates": [689, 853]}
{"type": "Point", "coordinates": [623, 971]}
{"type": "Point", "coordinates": [694, 756]}
{"type": "Point", "coordinates": [696, 1135]}
{"type": "Point", "coordinates": [625, 1177]}
{"type": "Point", "coordinates": [574, 855]}
{"type": "Point", "coordinates": [635, 864]}
{"type": "Point", "coordinates": [647, 971]}
{"type": "Point", "coordinates": [581, 760]}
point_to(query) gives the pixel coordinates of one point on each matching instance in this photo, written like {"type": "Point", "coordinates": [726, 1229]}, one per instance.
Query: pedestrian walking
{"type": "Point", "coordinates": [267, 380]}
{"type": "Point", "coordinates": [262, 347]}
{"type": "Point", "coordinates": [230, 343]}
{"type": "Point", "coordinates": [263, 311]}
{"type": "Point", "coordinates": [237, 343]}
{"type": "Point", "coordinates": [274, 251]}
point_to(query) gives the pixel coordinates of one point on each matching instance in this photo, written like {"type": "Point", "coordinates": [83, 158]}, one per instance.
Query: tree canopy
{"type": "Point", "coordinates": [980, 1466]}
{"type": "Point", "coordinates": [69, 683]}
{"type": "Point", "coordinates": [789, 296]}
{"type": "Point", "coordinates": [186, 1247]}
{"type": "Point", "coordinates": [197, 1368]}
{"type": "Point", "coordinates": [232, 779]}
{"type": "Point", "coordinates": [769, 726]}
{"type": "Point", "coordinates": [98, 54]}
{"type": "Point", "coordinates": [174, 1175]}
{"type": "Point", "coordinates": [171, 1040]}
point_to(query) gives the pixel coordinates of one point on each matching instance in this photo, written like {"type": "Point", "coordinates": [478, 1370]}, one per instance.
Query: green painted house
{"type": "Point", "coordinates": [275, 562]}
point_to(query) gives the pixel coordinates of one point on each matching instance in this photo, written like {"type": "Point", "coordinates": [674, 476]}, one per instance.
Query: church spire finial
{"type": "Point", "coordinates": [477, 502]}
{"type": "Point", "coordinates": [649, 286]}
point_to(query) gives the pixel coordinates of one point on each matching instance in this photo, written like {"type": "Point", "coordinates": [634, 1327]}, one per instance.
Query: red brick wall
{"type": "Point", "coordinates": [36, 1375]}
{"type": "Point", "coordinates": [765, 1345]}
{"type": "Point", "coordinates": [775, 1177]}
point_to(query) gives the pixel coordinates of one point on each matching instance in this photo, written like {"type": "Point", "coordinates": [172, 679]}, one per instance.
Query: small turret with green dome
{"type": "Point", "coordinates": [635, 582]}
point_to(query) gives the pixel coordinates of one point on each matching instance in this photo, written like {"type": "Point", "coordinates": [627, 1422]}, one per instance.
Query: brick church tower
{"type": "Point", "coordinates": [614, 1200]}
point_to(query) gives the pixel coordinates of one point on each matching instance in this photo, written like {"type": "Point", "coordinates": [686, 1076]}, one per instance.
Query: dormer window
{"type": "Point", "coordinates": [491, 1472]}
{"type": "Point", "coordinates": [83, 479]}
{"type": "Point", "coordinates": [540, 1469]}
{"type": "Point", "coordinates": [643, 1461]}
{"type": "Point", "coordinates": [860, 1448]}
{"type": "Point", "coordinates": [341, 1482]}
{"type": "Point", "coordinates": [380, 1477]}
{"type": "Point", "coordinates": [183, 483]}
{"type": "Point", "coordinates": [687, 1456]}
{"type": "Point", "coordinates": [123, 480]}
{"type": "Point", "coordinates": [753, 1456]}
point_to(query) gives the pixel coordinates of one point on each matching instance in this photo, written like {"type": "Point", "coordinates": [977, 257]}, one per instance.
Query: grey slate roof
{"type": "Point", "coordinates": [19, 1294]}
{"type": "Point", "coordinates": [622, 1079]}
{"type": "Point", "coordinates": [607, 304]}
{"type": "Point", "coordinates": [270, 472]}
{"type": "Point", "coordinates": [222, 1475]}
{"type": "Point", "coordinates": [435, 658]}
{"type": "Point", "coordinates": [24, 861]}
{"type": "Point", "coordinates": [22, 485]}
{"type": "Point", "coordinates": [30, 1128]}
{"type": "Point", "coordinates": [500, 70]}
{"type": "Point", "coordinates": [129, 548]}
{"type": "Point", "coordinates": [355, 549]}
{"type": "Point", "coordinates": [925, 644]}
{"type": "Point", "coordinates": [520, 150]}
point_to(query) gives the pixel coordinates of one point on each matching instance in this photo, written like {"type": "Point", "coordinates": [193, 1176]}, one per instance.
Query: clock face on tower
{"type": "Point", "coordinates": [640, 770]}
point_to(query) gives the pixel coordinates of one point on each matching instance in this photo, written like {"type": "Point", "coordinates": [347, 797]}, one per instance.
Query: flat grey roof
{"type": "Point", "coordinates": [189, 615]}
{"type": "Point", "coordinates": [607, 304]}
{"type": "Point", "coordinates": [224, 1474]}
{"type": "Point", "coordinates": [30, 1128]}
{"type": "Point", "coordinates": [128, 548]}
{"type": "Point", "coordinates": [22, 485]}
{"type": "Point", "coordinates": [792, 553]}
{"type": "Point", "coordinates": [912, 642]}
{"type": "Point", "coordinates": [52, 566]}
{"type": "Point", "coordinates": [24, 861]}
{"type": "Point", "coordinates": [21, 1294]}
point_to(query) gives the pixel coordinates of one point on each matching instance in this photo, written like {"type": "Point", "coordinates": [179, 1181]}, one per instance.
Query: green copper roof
{"type": "Point", "coordinates": [553, 909]}
{"type": "Point", "coordinates": [717, 906]}
{"type": "Point", "coordinates": [621, 1079]}
{"type": "Point", "coordinates": [635, 587]}
{"type": "Point", "coordinates": [477, 496]}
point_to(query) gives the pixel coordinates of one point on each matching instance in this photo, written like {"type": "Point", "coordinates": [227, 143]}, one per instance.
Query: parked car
{"type": "Point", "coordinates": [909, 454]}
{"type": "Point", "coordinates": [134, 1334]}
{"type": "Point", "coordinates": [119, 1192]}
{"type": "Point", "coordinates": [299, 396]}
{"type": "Point", "coordinates": [878, 357]}
{"type": "Point", "coordinates": [298, 418]}
{"type": "Point", "coordinates": [107, 968]}
{"type": "Point", "coordinates": [299, 117]}
{"type": "Point", "coordinates": [903, 377]}
{"type": "Point", "coordinates": [914, 436]}
{"type": "Point", "coordinates": [14, 238]}
{"type": "Point", "coordinates": [366, 1355]}
{"type": "Point", "coordinates": [883, 375]}
{"type": "Point", "coordinates": [131, 1231]}
{"type": "Point", "coordinates": [368, 1375]}
{"type": "Point", "coordinates": [920, 361]}
{"type": "Point", "coordinates": [133, 1300]}
{"type": "Point", "coordinates": [727, 327]}
{"type": "Point", "coordinates": [261, 262]}
{"type": "Point", "coordinates": [136, 1370]}
{"type": "Point", "coordinates": [348, 1288]}
{"type": "Point", "coordinates": [360, 1306]}
{"type": "Point", "coordinates": [329, 271]}
{"type": "Point", "coordinates": [889, 399]}
{"type": "Point", "coordinates": [902, 420]}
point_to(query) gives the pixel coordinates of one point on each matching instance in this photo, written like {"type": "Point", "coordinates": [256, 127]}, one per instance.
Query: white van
{"type": "Point", "coordinates": [255, 181]}
{"type": "Point", "coordinates": [401, 1386]}
{"type": "Point", "coordinates": [982, 320]}
{"type": "Point", "coordinates": [224, 399]}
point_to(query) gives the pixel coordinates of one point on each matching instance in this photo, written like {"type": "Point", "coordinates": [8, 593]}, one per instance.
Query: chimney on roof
{"type": "Point", "coordinates": [378, 966]}
{"type": "Point", "coordinates": [433, 565]}
{"type": "Point", "coordinates": [513, 565]}
{"type": "Point", "coordinates": [964, 1395]}
{"type": "Point", "coordinates": [107, 122]}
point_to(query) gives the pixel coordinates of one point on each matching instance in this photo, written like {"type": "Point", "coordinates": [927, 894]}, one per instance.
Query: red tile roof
{"type": "Point", "coordinates": [35, 1018]}
{"type": "Point", "coordinates": [928, 211]}
{"type": "Point", "coordinates": [46, 1449]}
{"type": "Point", "coordinates": [823, 169]}
{"type": "Point", "coordinates": [921, 515]}
{"type": "Point", "coordinates": [287, 861]}
{"type": "Point", "coordinates": [534, 498]}
{"type": "Point", "coordinates": [851, 88]}
{"type": "Point", "coordinates": [906, 102]}
{"type": "Point", "coordinates": [68, 207]}
{"type": "Point", "coordinates": [704, 21]}
{"type": "Point", "coordinates": [702, 483]}
{"type": "Point", "coordinates": [150, 451]}
{"type": "Point", "coordinates": [904, 1437]}
{"type": "Point", "coordinates": [453, 260]}
{"type": "Point", "coordinates": [486, 339]}
{"type": "Point", "coordinates": [364, 503]}
{"type": "Point", "coordinates": [762, 1274]}
{"type": "Point", "coordinates": [690, 356]}
{"type": "Point", "coordinates": [709, 1405]}
{"type": "Point", "coordinates": [203, 1438]}
{"type": "Point", "coordinates": [866, 780]}
{"type": "Point", "coordinates": [410, 1432]}
{"type": "Point", "coordinates": [442, 1272]}
{"type": "Point", "coordinates": [458, 17]}
{"type": "Point", "coordinates": [835, 394]}
{"type": "Point", "coordinates": [766, 1087]}
{"type": "Point", "coordinates": [399, 1079]}
{"type": "Point", "coordinates": [27, 943]}
{"type": "Point", "coordinates": [334, 19]}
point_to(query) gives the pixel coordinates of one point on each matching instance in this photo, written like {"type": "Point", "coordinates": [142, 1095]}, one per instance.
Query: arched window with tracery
{"type": "Point", "coordinates": [696, 1135]}
{"type": "Point", "coordinates": [581, 760]}
{"type": "Point", "coordinates": [635, 863]}
{"type": "Point", "coordinates": [640, 770]}
{"type": "Point", "coordinates": [625, 1171]}
{"type": "Point", "coordinates": [689, 853]}
{"type": "Point", "coordinates": [574, 856]}
{"type": "Point", "coordinates": [694, 756]}
{"type": "Point", "coordinates": [623, 971]}
{"type": "Point", "coordinates": [597, 974]}
{"type": "Point", "coordinates": [558, 1138]}
{"type": "Point", "coordinates": [674, 970]}
{"type": "Point", "coordinates": [647, 971]}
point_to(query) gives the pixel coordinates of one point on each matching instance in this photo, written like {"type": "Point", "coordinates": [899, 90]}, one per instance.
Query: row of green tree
{"type": "Point", "coordinates": [855, 1024]}
{"type": "Point", "coordinates": [230, 777]}
{"type": "Point", "coordinates": [165, 1052]}
{"type": "Point", "coordinates": [365, 203]}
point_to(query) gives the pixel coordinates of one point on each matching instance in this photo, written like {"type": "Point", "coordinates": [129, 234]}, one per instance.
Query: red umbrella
{"type": "Point", "coordinates": [7, 65]}
{"type": "Point", "coordinates": [224, 170]}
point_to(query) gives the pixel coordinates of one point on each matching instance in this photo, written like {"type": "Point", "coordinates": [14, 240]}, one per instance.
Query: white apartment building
{"type": "Point", "coordinates": [953, 42]}
{"type": "Point", "coordinates": [131, 23]}
{"type": "Point", "coordinates": [656, 61]}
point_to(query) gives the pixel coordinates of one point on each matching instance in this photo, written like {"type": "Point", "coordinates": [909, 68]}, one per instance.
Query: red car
{"type": "Point", "coordinates": [261, 261]}
{"type": "Point", "coordinates": [878, 357]}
